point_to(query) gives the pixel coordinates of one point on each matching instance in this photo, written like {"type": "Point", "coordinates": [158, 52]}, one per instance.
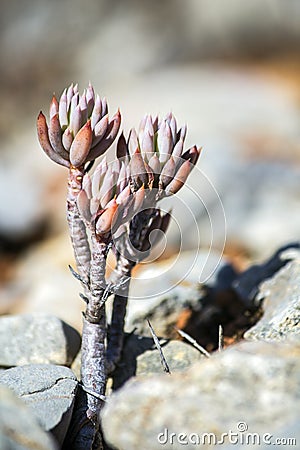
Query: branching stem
{"type": "Point", "coordinates": [77, 228]}
{"type": "Point", "coordinates": [93, 352]}
{"type": "Point", "coordinates": [116, 331]}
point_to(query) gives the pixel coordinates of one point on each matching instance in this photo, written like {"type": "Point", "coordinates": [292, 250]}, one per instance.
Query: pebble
{"type": "Point", "coordinates": [281, 304]}
{"type": "Point", "coordinates": [19, 428]}
{"type": "Point", "coordinates": [36, 338]}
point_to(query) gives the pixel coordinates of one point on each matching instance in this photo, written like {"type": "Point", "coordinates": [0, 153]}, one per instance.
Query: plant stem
{"type": "Point", "coordinates": [77, 227]}
{"type": "Point", "coordinates": [134, 241]}
{"type": "Point", "coordinates": [116, 331]}
{"type": "Point", "coordinates": [93, 367]}
{"type": "Point", "coordinates": [87, 434]}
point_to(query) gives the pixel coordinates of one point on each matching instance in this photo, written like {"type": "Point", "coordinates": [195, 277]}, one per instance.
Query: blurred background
{"type": "Point", "coordinates": [230, 70]}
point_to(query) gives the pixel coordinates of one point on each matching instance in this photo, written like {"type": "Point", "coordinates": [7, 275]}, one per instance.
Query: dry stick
{"type": "Point", "coordinates": [158, 346]}
{"type": "Point", "coordinates": [221, 338]}
{"type": "Point", "coordinates": [116, 332]}
{"type": "Point", "coordinates": [138, 226]}
{"type": "Point", "coordinates": [131, 245]}
{"type": "Point", "coordinates": [193, 342]}
{"type": "Point", "coordinates": [93, 373]}
{"type": "Point", "coordinates": [93, 368]}
{"type": "Point", "coordinates": [86, 423]}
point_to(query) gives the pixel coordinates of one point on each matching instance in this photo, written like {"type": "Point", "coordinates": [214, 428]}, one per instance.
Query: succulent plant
{"type": "Point", "coordinates": [118, 204]}
{"type": "Point", "coordinates": [106, 201]}
{"type": "Point", "coordinates": [79, 127]}
{"type": "Point", "coordinates": [155, 155]}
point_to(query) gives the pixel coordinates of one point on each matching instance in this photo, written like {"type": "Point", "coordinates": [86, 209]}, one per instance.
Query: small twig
{"type": "Point", "coordinates": [93, 393]}
{"type": "Point", "coordinates": [107, 292]}
{"type": "Point", "coordinates": [123, 280]}
{"type": "Point", "coordinates": [193, 342]}
{"type": "Point", "coordinates": [89, 166]}
{"type": "Point", "coordinates": [158, 346]}
{"type": "Point", "coordinates": [83, 297]}
{"type": "Point", "coordinates": [77, 276]}
{"type": "Point", "coordinates": [221, 336]}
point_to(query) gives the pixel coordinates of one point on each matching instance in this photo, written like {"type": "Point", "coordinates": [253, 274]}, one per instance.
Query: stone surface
{"type": "Point", "coordinates": [247, 284]}
{"type": "Point", "coordinates": [36, 339]}
{"type": "Point", "coordinates": [49, 391]}
{"type": "Point", "coordinates": [256, 383]}
{"type": "Point", "coordinates": [164, 313]}
{"type": "Point", "coordinates": [19, 428]}
{"type": "Point", "coordinates": [281, 305]}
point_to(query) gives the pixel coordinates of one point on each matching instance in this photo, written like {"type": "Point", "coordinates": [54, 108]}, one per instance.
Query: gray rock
{"type": "Point", "coordinates": [281, 294]}
{"type": "Point", "coordinates": [36, 339]}
{"type": "Point", "coordinates": [165, 312]}
{"type": "Point", "coordinates": [246, 285]}
{"type": "Point", "coordinates": [48, 390]}
{"type": "Point", "coordinates": [19, 429]}
{"type": "Point", "coordinates": [253, 383]}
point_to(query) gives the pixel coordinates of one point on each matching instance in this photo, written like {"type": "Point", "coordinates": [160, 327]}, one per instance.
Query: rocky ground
{"type": "Point", "coordinates": [251, 385]}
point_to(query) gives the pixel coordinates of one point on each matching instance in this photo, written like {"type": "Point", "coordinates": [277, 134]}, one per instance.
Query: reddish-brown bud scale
{"type": "Point", "coordinates": [42, 131]}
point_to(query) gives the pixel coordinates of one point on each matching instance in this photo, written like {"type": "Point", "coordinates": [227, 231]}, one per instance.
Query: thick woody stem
{"type": "Point", "coordinates": [86, 433]}
{"type": "Point", "coordinates": [116, 331]}
{"type": "Point", "coordinates": [77, 227]}
{"type": "Point", "coordinates": [93, 365]}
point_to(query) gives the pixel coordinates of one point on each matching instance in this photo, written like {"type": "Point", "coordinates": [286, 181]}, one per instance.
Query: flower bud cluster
{"type": "Point", "coordinates": [79, 127]}
{"type": "Point", "coordinates": [151, 163]}
{"type": "Point", "coordinates": [155, 155]}
{"type": "Point", "coordinates": [106, 200]}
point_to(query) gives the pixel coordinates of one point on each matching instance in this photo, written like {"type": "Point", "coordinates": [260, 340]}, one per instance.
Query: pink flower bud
{"type": "Point", "coordinates": [55, 137]}
{"type": "Point", "coordinates": [53, 107]}
{"type": "Point", "coordinates": [179, 179]}
{"type": "Point", "coordinates": [105, 220]}
{"type": "Point", "coordinates": [63, 110]}
{"type": "Point", "coordinates": [81, 145]}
